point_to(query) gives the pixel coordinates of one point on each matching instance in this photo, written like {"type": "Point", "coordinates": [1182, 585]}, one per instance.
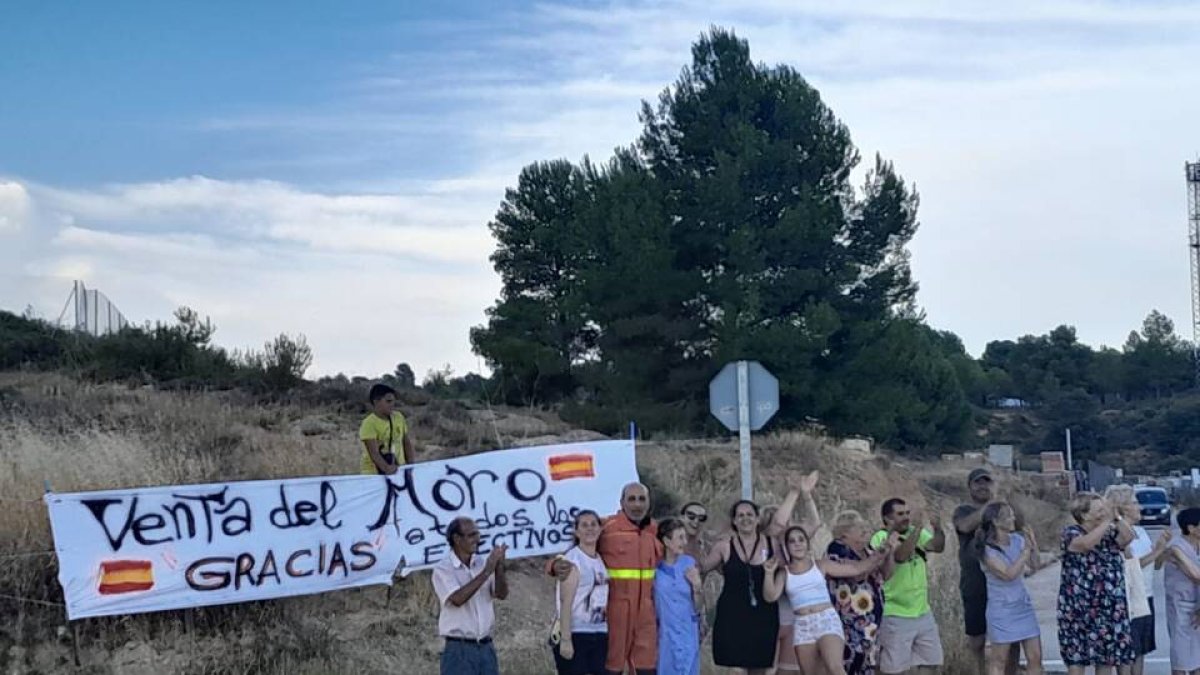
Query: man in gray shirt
{"type": "Point", "coordinates": [972, 585]}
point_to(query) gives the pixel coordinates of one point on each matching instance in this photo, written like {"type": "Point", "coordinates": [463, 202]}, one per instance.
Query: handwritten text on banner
{"type": "Point", "coordinates": [157, 548]}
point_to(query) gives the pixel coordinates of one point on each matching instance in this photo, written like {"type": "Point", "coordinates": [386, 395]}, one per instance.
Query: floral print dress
{"type": "Point", "coordinates": [1093, 614]}
{"type": "Point", "coordinates": [859, 602]}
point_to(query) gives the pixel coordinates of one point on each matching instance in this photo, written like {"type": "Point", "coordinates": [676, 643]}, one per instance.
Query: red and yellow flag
{"type": "Point", "coordinates": [563, 467]}
{"type": "Point", "coordinates": [125, 576]}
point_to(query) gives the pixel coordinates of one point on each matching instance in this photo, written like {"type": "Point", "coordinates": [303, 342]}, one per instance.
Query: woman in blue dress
{"type": "Point", "coordinates": [678, 603]}
{"type": "Point", "coordinates": [1005, 555]}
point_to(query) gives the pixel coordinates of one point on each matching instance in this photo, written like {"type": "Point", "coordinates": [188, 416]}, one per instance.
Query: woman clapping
{"type": "Point", "coordinates": [1005, 555]}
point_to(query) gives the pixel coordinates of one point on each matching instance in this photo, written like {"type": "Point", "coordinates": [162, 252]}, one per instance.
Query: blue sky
{"type": "Point", "coordinates": [330, 168]}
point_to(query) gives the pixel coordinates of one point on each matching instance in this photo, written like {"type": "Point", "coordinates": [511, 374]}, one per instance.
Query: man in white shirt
{"type": "Point", "coordinates": [466, 585]}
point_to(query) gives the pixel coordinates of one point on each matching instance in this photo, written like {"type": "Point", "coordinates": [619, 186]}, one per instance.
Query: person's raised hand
{"type": "Point", "coordinates": [917, 521]}
{"type": "Point", "coordinates": [808, 482]}
{"type": "Point", "coordinates": [770, 565]}
{"type": "Point", "coordinates": [496, 557]}
{"type": "Point", "coordinates": [1163, 541]}
{"type": "Point", "coordinates": [893, 540]}
{"type": "Point", "coordinates": [935, 520]}
{"type": "Point", "coordinates": [1027, 545]}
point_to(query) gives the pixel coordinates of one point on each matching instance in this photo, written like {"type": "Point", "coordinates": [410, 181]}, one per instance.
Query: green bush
{"type": "Point", "coordinates": [30, 343]}
{"type": "Point", "coordinates": [177, 355]}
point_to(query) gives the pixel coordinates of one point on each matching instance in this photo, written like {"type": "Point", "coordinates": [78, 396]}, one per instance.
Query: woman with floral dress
{"type": "Point", "coordinates": [1093, 613]}
{"type": "Point", "coordinates": [858, 601]}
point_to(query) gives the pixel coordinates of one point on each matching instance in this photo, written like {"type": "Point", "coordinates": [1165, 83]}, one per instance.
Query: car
{"type": "Point", "coordinates": [1155, 505]}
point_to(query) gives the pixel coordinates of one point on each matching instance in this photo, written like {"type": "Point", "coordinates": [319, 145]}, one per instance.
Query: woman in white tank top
{"type": "Point", "coordinates": [818, 628]}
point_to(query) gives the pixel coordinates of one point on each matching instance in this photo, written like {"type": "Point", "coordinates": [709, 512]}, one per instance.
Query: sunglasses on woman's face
{"type": "Point", "coordinates": [692, 515]}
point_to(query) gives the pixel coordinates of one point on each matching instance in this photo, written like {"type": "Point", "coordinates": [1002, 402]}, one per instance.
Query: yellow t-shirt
{"type": "Point", "coordinates": [390, 437]}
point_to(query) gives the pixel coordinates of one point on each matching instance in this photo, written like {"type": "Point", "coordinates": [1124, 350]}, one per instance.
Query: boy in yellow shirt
{"type": "Point", "coordinates": [381, 431]}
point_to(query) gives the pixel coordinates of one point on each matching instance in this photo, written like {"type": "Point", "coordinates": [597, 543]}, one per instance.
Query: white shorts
{"type": "Point", "coordinates": [808, 628]}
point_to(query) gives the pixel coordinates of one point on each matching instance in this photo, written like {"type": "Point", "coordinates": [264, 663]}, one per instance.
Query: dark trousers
{"type": "Point", "coordinates": [469, 658]}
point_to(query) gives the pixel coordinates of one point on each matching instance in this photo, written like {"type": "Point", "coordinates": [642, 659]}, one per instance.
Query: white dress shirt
{"type": "Point", "coordinates": [475, 618]}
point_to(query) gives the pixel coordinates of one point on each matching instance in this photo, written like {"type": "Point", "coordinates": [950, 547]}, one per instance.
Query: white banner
{"type": "Point", "coordinates": [150, 549]}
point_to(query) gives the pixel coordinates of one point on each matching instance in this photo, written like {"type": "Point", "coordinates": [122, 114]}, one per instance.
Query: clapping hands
{"type": "Point", "coordinates": [893, 540]}
{"type": "Point", "coordinates": [1163, 541]}
{"type": "Point", "coordinates": [496, 558]}
{"type": "Point", "coordinates": [807, 482]}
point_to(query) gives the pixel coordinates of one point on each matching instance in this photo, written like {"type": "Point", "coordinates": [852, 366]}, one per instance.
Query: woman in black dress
{"type": "Point", "coordinates": [746, 625]}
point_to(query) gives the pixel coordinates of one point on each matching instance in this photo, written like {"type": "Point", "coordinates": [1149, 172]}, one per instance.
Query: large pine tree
{"type": "Point", "coordinates": [731, 230]}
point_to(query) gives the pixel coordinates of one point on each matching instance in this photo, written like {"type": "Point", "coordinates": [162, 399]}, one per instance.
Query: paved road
{"type": "Point", "coordinates": [1043, 587]}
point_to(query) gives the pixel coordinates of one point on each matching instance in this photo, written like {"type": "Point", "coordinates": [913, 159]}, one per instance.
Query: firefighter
{"type": "Point", "coordinates": [630, 548]}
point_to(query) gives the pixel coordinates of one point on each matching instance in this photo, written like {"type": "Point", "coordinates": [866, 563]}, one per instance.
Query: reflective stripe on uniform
{"type": "Point", "coordinates": [631, 574]}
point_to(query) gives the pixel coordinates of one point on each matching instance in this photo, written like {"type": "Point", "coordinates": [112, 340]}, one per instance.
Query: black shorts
{"type": "Point", "coordinates": [591, 649]}
{"type": "Point", "coordinates": [974, 615]}
{"type": "Point", "coordinates": [1143, 632]}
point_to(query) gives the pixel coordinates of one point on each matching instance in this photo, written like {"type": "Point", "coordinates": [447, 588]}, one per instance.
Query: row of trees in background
{"type": "Point", "coordinates": [1154, 362]}
{"type": "Point", "coordinates": [180, 353]}
{"type": "Point", "coordinates": [1142, 397]}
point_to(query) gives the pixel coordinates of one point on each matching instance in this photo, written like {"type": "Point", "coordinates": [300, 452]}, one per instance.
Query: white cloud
{"type": "Point", "coordinates": [14, 206]}
{"type": "Point", "coordinates": [433, 224]}
{"type": "Point", "coordinates": [370, 279]}
{"type": "Point", "coordinates": [1046, 138]}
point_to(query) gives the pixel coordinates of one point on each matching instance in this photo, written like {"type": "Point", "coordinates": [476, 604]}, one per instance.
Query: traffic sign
{"type": "Point", "coordinates": [744, 396]}
{"type": "Point", "coordinates": [763, 391]}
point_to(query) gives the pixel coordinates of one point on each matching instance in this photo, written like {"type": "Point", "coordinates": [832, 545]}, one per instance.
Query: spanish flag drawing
{"type": "Point", "coordinates": [125, 576]}
{"type": "Point", "coordinates": [563, 467]}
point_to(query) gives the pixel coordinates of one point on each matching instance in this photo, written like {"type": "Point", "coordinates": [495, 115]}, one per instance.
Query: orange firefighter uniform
{"type": "Point", "coordinates": [631, 554]}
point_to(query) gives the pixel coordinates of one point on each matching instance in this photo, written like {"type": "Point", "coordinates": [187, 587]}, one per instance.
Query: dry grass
{"type": "Point", "coordinates": [97, 437]}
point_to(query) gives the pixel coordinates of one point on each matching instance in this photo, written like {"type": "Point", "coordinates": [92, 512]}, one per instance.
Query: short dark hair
{"type": "Point", "coordinates": [683, 509]}
{"type": "Point", "coordinates": [378, 391]}
{"type": "Point", "coordinates": [455, 528]}
{"type": "Point", "coordinates": [1188, 519]}
{"type": "Point", "coordinates": [667, 527]}
{"type": "Point", "coordinates": [889, 506]}
{"type": "Point", "coordinates": [733, 509]}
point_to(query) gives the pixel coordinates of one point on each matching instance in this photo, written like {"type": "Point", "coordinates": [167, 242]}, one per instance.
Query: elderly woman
{"type": "Point", "coordinates": [1181, 581]}
{"type": "Point", "coordinates": [1093, 613]}
{"type": "Point", "coordinates": [858, 600]}
{"type": "Point", "coordinates": [1139, 589]}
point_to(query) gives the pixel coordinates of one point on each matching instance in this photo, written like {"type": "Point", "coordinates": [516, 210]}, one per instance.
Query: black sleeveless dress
{"type": "Point", "coordinates": [747, 626]}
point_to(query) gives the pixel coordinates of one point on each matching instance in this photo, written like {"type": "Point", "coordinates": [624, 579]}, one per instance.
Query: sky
{"type": "Point", "coordinates": [330, 168]}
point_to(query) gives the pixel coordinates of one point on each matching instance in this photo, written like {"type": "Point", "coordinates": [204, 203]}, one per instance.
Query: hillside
{"type": "Point", "coordinates": [80, 437]}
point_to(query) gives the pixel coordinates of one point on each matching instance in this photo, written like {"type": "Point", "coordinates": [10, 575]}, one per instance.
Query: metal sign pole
{"type": "Point", "coordinates": [743, 393]}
